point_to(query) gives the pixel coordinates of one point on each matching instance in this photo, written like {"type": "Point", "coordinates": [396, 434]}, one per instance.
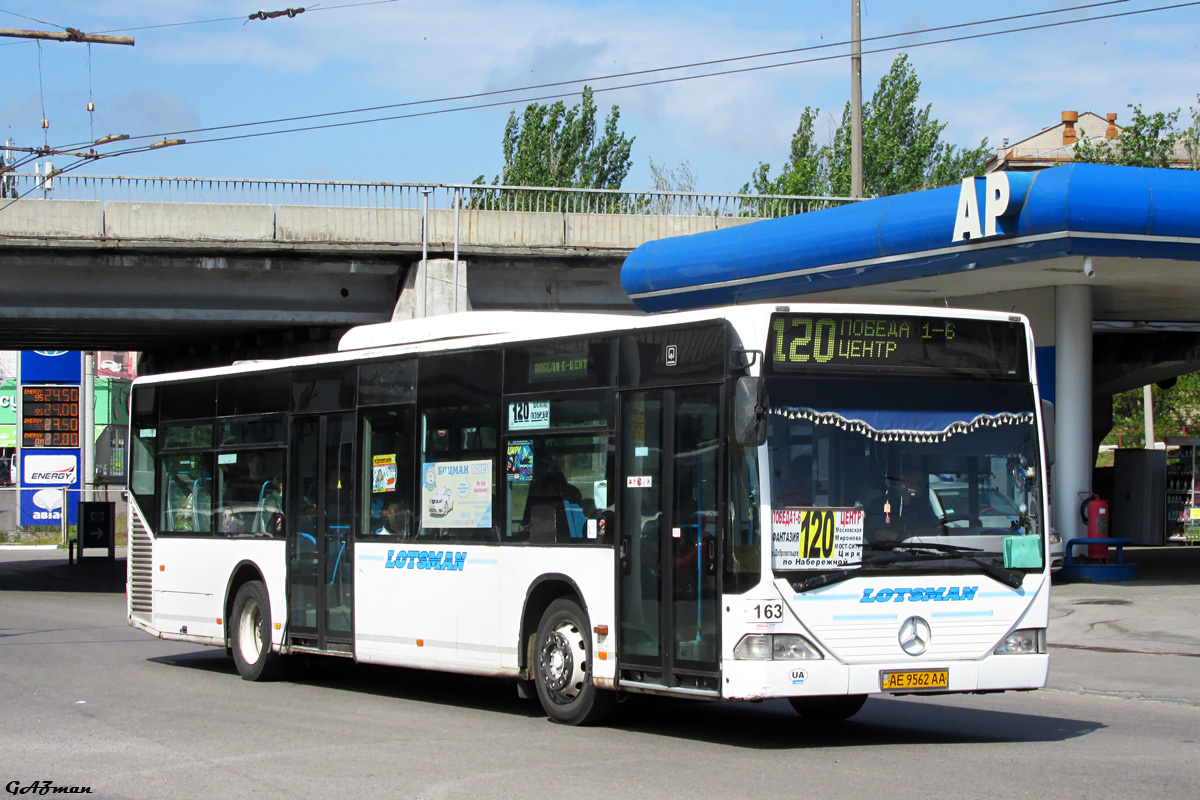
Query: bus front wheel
{"type": "Point", "coordinates": [833, 708]}
{"type": "Point", "coordinates": [251, 634]}
{"type": "Point", "coordinates": [563, 668]}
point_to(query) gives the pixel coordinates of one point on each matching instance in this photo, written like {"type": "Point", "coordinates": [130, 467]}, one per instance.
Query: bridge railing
{"type": "Point", "coordinates": [408, 196]}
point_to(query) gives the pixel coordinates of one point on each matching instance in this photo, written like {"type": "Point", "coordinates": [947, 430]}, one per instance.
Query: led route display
{"type": "Point", "coordinates": [842, 342]}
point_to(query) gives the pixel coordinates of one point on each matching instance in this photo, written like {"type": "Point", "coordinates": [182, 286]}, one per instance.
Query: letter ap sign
{"type": "Point", "coordinates": [43, 475]}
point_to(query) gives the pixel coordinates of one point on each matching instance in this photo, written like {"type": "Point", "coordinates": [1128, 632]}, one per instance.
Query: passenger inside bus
{"type": "Point", "coordinates": [556, 510]}
{"type": "Point", "coordinates": [397, 519]}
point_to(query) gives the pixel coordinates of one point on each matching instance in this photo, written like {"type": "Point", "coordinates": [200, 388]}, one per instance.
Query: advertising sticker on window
{"type": "Point", "coordinates": [519, 466]}
{"type": "Point", "coordinates": [816, 538]}
{"type": "Point", "coordinates": [456, 494]}
{"type": "Point", "coordinates": [383, 473]}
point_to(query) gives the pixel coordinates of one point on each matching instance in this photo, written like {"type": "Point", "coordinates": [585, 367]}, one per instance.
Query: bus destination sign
{"type": "Point", "coordinates": [50, 416]}
{"type": "Point", "coordinates": [841, 342]}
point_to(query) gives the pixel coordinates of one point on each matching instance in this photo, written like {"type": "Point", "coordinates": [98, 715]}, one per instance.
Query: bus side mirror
{"type": "Point", "coordinates": [750, 412]}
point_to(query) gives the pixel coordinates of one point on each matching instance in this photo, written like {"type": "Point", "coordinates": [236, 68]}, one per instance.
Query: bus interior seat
{"type": "Point", "coordinates": [576, 522]}
{"type": "Point", "coordinates": [543, 520]}
{"type": "Point", "coordinates": [201, 504]}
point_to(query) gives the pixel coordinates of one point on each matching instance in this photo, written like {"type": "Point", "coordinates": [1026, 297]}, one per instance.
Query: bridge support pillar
{"type": "Point", "coordinates": [429, 289]}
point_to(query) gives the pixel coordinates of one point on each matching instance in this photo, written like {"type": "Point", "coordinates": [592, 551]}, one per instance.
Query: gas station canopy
{"type": "Point", "coordinates": [1124, 231]}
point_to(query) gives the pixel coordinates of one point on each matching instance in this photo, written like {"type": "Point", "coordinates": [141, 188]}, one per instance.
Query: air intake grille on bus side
{"type": "Point", "coordinates": [141, 567]}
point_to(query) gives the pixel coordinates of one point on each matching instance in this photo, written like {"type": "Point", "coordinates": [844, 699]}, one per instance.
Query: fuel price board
{"type": "Point", "coordinates": [50, 416]}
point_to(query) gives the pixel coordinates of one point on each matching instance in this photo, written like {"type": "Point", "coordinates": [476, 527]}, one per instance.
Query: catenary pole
{"type": "Point", "coordinates": [856, 133]}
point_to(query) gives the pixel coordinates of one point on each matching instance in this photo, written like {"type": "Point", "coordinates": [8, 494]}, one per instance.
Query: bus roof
{"type": "Point", "coordinates": [478, 328]}
{"type": "Point", "coordinates": [469, 324]}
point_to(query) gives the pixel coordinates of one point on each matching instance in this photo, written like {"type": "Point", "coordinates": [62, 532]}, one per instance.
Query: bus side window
{"type": "Point", "coordinates": [459, 474]}
{"type": "Point", "coordinates": [249, 493]}
{"type": "Point", "coordinates": [386, 501]}
{"type": "Point", "coordinates": [566, 499]}
{"type": "Point", "coordinates": [187, 493]}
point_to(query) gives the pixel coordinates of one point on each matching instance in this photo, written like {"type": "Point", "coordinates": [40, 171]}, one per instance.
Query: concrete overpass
{"type": "Point", "coordinates": [201, 271]}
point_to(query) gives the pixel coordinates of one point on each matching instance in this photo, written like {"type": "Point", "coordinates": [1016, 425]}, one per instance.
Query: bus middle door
{"type": "Point", "coordinates": [320, 536]}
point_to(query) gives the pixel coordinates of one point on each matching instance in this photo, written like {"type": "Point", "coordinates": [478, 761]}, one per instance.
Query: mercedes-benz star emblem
{"type": "Point", "coordinates": [914, 635]}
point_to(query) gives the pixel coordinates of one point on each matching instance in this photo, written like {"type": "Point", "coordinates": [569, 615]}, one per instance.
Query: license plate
{"type": "Point", "coordinates": [915, 679]}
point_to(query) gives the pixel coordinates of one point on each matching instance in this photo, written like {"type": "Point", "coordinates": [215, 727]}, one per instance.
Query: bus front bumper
{"type": "Point", "coordinates": [760, 680]}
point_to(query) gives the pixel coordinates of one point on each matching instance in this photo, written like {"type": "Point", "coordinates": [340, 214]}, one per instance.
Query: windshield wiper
{"type": "Point", "coordinates": [839, 575]}
{"type": "Point", "coordinates": [901, 552]}
{"type": "Point", "coordinates": [913, 546]}
{"type": "Point", "coordinates": [921, 552]}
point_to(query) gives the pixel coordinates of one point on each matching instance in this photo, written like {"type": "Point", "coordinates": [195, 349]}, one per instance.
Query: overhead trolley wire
{"type": "Point", "coordinates": [508, 102]}
{"type": "Point", "coordinates": [616, 75]}
{"type": "Point", "coordinates": [641, 84]}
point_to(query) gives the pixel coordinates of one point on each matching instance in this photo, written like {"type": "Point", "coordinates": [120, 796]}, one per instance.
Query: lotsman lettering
{"type": "Point", "coordinates": [426, 559]}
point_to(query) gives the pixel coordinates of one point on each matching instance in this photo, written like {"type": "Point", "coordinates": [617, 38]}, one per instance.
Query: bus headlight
{"type": "Point", "coordinates": [753, 648]}
{"type": "Point", "coordinates": [778, 647]}
{"type": "Point", "coordinates": [793, 648]}
{"type": "Point", "coordinates": [1029, 640]}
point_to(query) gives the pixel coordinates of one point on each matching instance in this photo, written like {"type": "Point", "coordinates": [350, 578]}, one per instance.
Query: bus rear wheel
{"type": "Point", "coordinates": [563, 668]}
{"type": "Point", "coordinates": [828, 709]}
{"type": "Point", "coordinates": [250, 631]}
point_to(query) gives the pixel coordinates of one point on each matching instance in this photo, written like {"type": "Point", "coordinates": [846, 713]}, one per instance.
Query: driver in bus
{"type": "Point", "coordinates": [797, 486]}
{"type": "Point", "coordinates": [904, 510]}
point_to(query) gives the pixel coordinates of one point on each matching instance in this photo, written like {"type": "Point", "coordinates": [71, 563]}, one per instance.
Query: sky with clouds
{"type": "Point", "coordinates": [235, 71]}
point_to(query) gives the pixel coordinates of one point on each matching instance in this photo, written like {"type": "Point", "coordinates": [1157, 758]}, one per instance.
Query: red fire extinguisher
{"type": "Point", "coordinates": [1094, 511]}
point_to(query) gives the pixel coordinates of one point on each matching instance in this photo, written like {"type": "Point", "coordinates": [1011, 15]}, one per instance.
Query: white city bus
{"type": "Point", "coordinates": [808, 502]}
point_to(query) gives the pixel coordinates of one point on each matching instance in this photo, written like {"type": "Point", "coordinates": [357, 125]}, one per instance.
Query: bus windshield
{"type": "Point", "coordinates": [861, 469]}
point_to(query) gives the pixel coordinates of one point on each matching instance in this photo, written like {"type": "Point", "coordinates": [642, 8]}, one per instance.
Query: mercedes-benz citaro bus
{"type": "Point", "coordinates": [810, 502]}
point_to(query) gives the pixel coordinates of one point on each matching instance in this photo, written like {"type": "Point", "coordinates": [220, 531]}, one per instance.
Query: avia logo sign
{"type": "Point", "coordinates": [48, 499]}
{"type": "Point", "coordinates": [51, 353]}
{"type": "Point", "coordinates": [57, 469]}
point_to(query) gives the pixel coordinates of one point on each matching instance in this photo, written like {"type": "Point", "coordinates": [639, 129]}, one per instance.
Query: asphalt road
{"type": "Point", "coordinates": [87, 701]}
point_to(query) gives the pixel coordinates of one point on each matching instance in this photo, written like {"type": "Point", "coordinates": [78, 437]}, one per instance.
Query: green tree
{"type": "Point", "coordinates": [672, 179]}
{"type": "Point", "coordinates": [804, 172]}
{"type": "Point", "coordinates": [1191, 138]}
{"type": "Point", "coordinates": [903, 149]}
{"type": "Point", "coordinates": [1176, 410]}
{"type": "Point", "coordinates": [551, 145]}
{"type": "Point", "coordinates": [1148, 140]}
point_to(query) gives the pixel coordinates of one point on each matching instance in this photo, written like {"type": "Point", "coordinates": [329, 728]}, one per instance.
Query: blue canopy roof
{"type": "Point", "coordinates": [1078, 209]}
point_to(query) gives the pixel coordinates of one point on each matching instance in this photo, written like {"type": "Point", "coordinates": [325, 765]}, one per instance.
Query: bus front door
{"type": "Point", "coordinates": [320, 534]}
{"type": "Point", "coordinates": [669, 537]}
